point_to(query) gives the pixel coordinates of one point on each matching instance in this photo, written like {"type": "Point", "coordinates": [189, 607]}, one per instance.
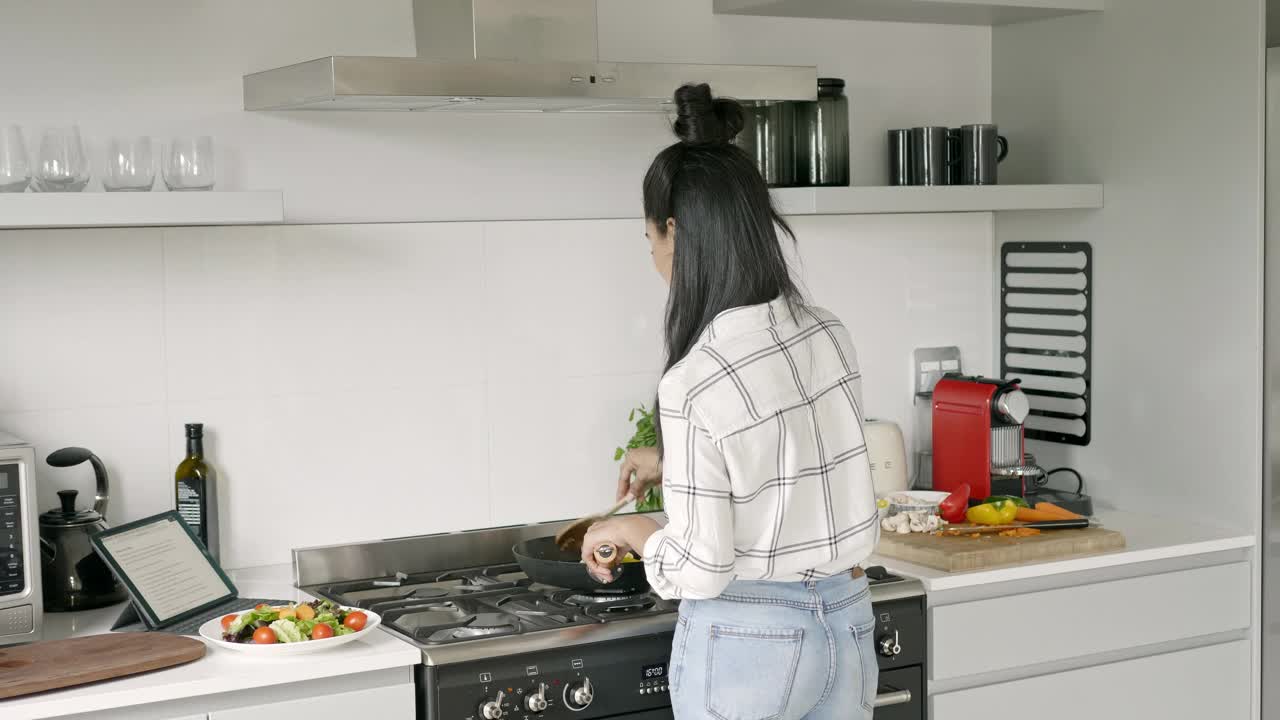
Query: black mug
{"type": "Point", "coordinates": [981, 150]}
{"type": "Point", "coordinates": [929, 155]}
{"type": "Point", "coordinates": [900, 167]}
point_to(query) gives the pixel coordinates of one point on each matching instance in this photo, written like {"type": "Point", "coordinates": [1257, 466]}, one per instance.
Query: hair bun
{"type": "Point", "coordinates": [704, 120]}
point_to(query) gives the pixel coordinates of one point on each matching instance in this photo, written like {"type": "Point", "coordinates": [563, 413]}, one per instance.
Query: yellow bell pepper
{"type": "Point", "coordinates": [1000, 512]}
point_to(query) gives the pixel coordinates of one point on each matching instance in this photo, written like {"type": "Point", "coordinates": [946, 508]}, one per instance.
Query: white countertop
{"type": "Point", "coordinates": [1147, 538]}
{"type": "Point", "coordinates": [219, 671]}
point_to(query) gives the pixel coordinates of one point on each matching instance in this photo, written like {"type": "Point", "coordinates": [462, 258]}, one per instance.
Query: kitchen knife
{"type": "Point", "coordinates": [1042, 525]}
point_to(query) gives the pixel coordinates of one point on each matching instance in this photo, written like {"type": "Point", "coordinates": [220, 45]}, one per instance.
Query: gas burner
{"type": "Point", "coordinates": [418, 593]}
{"type": "Point", "coordinates": [595, 599]}
{"type": "Point", "coordinates": [535, 606]}
{"type": "Point", "coordinates": [634, 605]}
{"type": "Point", "coordinates": [490, 578]}
{"type": "Point", "coordinates": [480, 625]}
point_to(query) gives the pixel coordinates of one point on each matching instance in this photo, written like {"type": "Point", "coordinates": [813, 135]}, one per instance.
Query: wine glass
{"type": "Point", "coordinates": [188, 164]}
{"type": "Point", "coordinates": [130, 165]}
{"type": "Point", "coordinates": [62, 164]}
{"type": "Point", "coordinates": [15, 168]}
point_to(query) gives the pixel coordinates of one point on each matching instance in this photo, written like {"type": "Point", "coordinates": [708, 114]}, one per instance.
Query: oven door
{"type": "Point", "coordinates": [900, 695]}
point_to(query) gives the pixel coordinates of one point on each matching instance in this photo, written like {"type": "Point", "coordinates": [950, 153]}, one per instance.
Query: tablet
{"type": "Point", "coordinates": [168, 573]}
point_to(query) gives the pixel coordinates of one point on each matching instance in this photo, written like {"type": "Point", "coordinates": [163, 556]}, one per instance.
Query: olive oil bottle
{"type": "Point", "coordinates": [196, 490]}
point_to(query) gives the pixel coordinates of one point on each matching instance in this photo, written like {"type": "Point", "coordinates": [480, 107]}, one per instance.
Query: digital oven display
{"type": "Point", "coordinates": [4, 481]}
{"type": "Point", "coordinates": [654, 672]}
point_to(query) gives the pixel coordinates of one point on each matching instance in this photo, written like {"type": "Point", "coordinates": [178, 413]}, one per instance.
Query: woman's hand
{"type": "Point", "coordinates": [626, 534]}
{"type": "Point", "coordinates": [641, 469]}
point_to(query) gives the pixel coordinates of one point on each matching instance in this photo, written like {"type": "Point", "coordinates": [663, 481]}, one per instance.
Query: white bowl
{"type": "Point", "coordinates": [211, 631]}
{"type": "Point", "coordinates": [920, 500]}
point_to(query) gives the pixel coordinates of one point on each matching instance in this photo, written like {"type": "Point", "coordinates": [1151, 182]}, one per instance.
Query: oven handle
{"type": "Point", "coordinates": [893, 697]}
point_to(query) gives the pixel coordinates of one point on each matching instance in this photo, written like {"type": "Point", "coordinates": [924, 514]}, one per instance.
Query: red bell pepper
{"type": "Point", "coordinates": [952, 509]}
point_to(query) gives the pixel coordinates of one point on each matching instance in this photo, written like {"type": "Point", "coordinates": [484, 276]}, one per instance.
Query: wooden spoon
{"type": "Point", "coordinates": [570, 538]}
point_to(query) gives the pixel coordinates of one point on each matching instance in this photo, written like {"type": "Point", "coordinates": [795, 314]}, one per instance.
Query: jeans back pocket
{"type": "Point", "coordinates": [750, 671]}
{"type": "Point", "coordinates": [869, 670]}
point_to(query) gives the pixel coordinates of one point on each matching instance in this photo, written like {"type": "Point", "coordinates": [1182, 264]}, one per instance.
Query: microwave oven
{"type": "Point", "coordinates": [21, 602]}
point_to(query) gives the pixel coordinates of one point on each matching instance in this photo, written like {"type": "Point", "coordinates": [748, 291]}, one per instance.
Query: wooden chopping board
{"type": "Point", "coordinates": [57, 664]}
{"type": "Point", "coordinates": [954, 554]}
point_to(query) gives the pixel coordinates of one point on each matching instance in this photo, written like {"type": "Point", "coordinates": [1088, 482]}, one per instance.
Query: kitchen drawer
{"type": "Point", "coordinates": [966, 639]}
{"type": "Point", "coordinates": [395, 702]}
{"type": "Point", "coordinates": [1207, 682]}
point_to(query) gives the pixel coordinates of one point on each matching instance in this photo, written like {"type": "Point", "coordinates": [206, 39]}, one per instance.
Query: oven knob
{"type": "Point", "coordinates": [492, 709]}
{"type": "Point", "coordinates": [537, 702]}
{"type": "Point", "coordinates": [889, 646]}
{"type": "Point", "coordinates": [577, 696]}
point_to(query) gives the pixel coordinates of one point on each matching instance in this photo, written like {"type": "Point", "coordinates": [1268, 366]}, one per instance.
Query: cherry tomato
{"type": "Point", "coordinates": [321, 632]}
{"type": "Point", "coordinates": [356, 620]}
{"type": "Point", "coordinates": [259, 606]}
{"type": "Point", "coordinates": [227, 620]}
{"type": "Point", "coordinates": [264, 636]}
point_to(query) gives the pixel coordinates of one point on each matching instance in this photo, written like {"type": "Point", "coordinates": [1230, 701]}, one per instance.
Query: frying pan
{"type": "Point", "coordinates": [544, 562]}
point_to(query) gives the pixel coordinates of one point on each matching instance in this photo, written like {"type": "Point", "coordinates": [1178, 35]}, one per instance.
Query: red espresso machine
{"type": "Point", "coordinates": [977, 436]}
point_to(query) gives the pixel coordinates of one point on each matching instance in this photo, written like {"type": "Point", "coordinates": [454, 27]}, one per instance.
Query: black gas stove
{"type": "Point", "coordinates": [484, 602]}
{"type": "Point", "coordinates": [497, 645]}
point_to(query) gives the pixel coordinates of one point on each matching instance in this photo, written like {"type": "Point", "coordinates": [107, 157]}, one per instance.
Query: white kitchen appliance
{"type": "Point", "coordinates": [888, 455]}
{"type": "Point", "coordinates": [21, 608]}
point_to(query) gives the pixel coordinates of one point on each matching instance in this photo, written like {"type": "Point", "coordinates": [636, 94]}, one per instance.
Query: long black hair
{"type": "Point", "coordinates": [727, 252]}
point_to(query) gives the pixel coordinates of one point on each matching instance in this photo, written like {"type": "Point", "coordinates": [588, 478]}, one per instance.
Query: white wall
{"type": "Point", "coordinates": [1177, 301]}
{"type": "Point", "coordinates": [394, 379]}
{"type": "Point", "coordinates": [367, 381]}
{"type": "Point", "coordinates": [1131, 96]}
{"type": "Point", "coordinates": [165, 67]}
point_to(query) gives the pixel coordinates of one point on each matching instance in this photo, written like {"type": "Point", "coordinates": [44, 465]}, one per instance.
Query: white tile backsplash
{"type": "Point", "coordinates": [130, 439]}
{"type": "Point", "coordinates": [551, 443]}
{"type": "Point", "coordinates": [570, 298]}
{"type": "Point", "coordinates": [368, 381]}
{"type": "Point", "coordinates": [80, 319]}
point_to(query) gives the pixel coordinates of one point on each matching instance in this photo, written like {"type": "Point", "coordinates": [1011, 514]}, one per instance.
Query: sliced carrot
{"type": "Point", "coordinates": [1057, 512]}
{"type": "Point", "coordinates": [1029, 515]}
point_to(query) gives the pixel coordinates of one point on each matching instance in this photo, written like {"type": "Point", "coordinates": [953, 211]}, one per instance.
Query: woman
{"type": "Point", "coordinates": [764, 467]}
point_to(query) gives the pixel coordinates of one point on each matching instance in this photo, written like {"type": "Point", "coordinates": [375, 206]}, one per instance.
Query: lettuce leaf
{"type": "Point", "coordinates": [286, 631]}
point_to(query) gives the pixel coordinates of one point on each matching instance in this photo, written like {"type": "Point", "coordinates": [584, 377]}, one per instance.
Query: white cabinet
{"type": "Point", "coordinates": [1089, 619]}
{"type": "Point", "coordinates": [395, 702]}
{"type": "Point", "coordinates": [1206, 682]}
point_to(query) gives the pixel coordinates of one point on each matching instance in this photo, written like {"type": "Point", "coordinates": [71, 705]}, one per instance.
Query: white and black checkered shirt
{"type": "Point", "coordinates": [765, 470]}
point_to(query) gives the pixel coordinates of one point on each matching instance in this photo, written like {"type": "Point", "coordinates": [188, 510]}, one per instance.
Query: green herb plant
{"type": "Point", "coordinates": [645, 436]}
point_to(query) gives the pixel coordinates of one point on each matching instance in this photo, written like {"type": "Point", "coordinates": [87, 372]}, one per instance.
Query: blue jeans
{"type": "Point", "coordinates": [768, 650]}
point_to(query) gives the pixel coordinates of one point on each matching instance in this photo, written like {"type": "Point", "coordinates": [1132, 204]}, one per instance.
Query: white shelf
{"type": "Point", "coordinates": [945, 12]}
{"type": "Point", "coordinates": [138, 209]}
{"type": "Point", "coordinates": [944, 199]}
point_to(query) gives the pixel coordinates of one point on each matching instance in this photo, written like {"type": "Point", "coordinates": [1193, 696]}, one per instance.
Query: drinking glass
{"type": "Point", "coordinates": [188, 164]}
{"type": "Point", "coordinates": [130, 166]}
{"type": "Point", "coordinates": [15, 168]}
{"type": "Point", "coordinates": [62, 164]}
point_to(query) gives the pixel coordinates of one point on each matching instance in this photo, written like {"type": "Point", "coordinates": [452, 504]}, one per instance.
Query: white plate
{"type": "Point", "coordinates": [212, 632]}
{"type": "Point", "coordinates": [921, 500]}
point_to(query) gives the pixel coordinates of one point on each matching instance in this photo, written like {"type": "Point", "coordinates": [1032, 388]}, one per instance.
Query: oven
{"type": "Point", "coordinates": [626, 677]}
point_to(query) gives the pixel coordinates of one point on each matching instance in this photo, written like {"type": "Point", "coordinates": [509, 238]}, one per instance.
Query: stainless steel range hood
{"type": "Point", "coordinates": [508, 56]}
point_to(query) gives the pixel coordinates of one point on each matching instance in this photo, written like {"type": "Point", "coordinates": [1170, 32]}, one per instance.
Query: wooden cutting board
{"type": "Point", "coordinates": [954, 554]}
{"type": "Point", "coordinates": [57, 664]}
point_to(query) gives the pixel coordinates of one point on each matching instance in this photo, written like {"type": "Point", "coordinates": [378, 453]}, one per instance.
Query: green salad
{"type": "Point", "coordinates": [316, 620]}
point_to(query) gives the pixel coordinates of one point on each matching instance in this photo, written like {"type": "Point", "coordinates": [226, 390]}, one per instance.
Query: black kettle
{"type": "Point", "coordinates": [73, 575]}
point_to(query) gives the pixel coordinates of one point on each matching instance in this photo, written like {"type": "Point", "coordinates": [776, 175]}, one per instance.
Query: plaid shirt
{"type": "Point", "coordinates": [765, 470]}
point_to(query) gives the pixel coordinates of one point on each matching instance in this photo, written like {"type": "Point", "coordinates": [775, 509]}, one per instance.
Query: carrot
{"type": "Point", "coordinates": [1057, 512]}
{"type": "Point", "coordinates": [1029, 515]}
